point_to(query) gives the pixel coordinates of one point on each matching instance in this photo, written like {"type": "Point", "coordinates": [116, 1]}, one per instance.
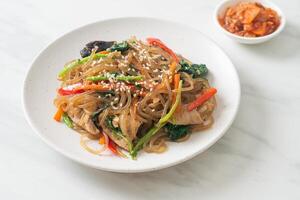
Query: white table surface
{"type": "Point", "coordinates": [258, 158]}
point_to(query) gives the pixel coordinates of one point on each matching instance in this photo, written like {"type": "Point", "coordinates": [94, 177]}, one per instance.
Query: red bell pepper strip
{"type": "Point", "coordinates": [202, 98]}
{"type": "Point", "coordinates": [65, 92]}
{"type": "Point", "coordinates": [159, 43]}
{"type": "Point", "coordinates": [113, 147]}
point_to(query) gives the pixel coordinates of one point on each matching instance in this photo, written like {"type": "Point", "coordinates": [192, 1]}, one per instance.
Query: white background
{"type": "Point", "coordinates": [258, 158]}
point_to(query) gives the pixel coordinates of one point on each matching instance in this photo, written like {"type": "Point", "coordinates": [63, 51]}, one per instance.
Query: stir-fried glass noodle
{"type": "Point", "coordinates": [133, 95]}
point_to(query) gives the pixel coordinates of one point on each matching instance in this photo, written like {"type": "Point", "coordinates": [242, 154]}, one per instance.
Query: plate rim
{"type": "Point", "coordinates": [145, 169]}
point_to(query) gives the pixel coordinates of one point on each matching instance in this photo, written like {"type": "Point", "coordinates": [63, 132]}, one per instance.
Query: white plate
{"type": "Point", "coordinates": [41, 84]}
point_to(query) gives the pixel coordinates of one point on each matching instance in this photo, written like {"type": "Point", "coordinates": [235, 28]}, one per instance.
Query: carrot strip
{"type": "Point", "coordinates": [202, 98]}
{"type": "Point", "coordinates": [102, 139]}
{"type": "Point", "coordinates": [58, 114]}
{"type": "Point", "coordinates": [172, 69]}
{"type": "Point", "coordinates": [176, 80]}
{"type": "Point", "coordinates": [104, 52]}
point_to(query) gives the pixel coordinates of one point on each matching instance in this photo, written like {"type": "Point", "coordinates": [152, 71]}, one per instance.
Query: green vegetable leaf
{"type": "Point", "coordinates": [122, 46]}
{"type": "Point", "coordinates": [176, 132]}
{"type": "Point", "coordinates": [196, 70]}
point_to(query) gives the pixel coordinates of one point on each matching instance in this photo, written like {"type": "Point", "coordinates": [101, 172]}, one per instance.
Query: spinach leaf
{"type": "Point", "coordinates": [176, 132]}
{"type": "Point", "coordinates": [122, 46]}
{"type": "Point", "coordinates": [196, 70]}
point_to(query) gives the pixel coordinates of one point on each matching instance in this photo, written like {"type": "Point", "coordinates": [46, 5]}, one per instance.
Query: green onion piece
{"type": "Point", "coordinates": [119, 78]}
{"type": "Point", "coordinates": [161, 123]}
{"type": "Point", "coordinates": [70, 66]}
{"type": "Point", "coordinates": [63, 72]}
{"type": "Point", "coordinates": [97, 78]}
{"type": "Point", "coordinates": [96, 57]}
{"type": "Point", "coordinates": [129, 78]}
{"type": "Point", "coordinates": [173, 108]}
{"type": "Point", "coordinates": [67, 120]}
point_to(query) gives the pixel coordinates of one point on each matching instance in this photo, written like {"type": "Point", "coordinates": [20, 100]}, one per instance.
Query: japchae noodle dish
{"type": "Point", "coordinates": [133, 95]}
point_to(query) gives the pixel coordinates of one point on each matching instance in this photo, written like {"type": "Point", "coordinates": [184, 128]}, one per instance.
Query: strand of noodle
{"type": "Point", "coordinates": [187, 79]}
{"type": "Point", "coordinates": [83, 142]}
{"type": "Point", "coordinates": [186, 137]}
{"type": "Point", "coordinates": [206, 124]}
{"type": "Point", "coordinates": [157, 144]}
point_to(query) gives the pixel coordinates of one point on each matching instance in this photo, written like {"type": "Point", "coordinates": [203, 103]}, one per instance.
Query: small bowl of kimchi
{"type": "Point", "coordinates": [249, 21]}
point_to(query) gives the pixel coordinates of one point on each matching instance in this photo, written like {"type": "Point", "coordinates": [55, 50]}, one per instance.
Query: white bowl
{"type": "Point", "coordinates": [40, 89]}
{"type": "Point", "coordinates": [220, 11]}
